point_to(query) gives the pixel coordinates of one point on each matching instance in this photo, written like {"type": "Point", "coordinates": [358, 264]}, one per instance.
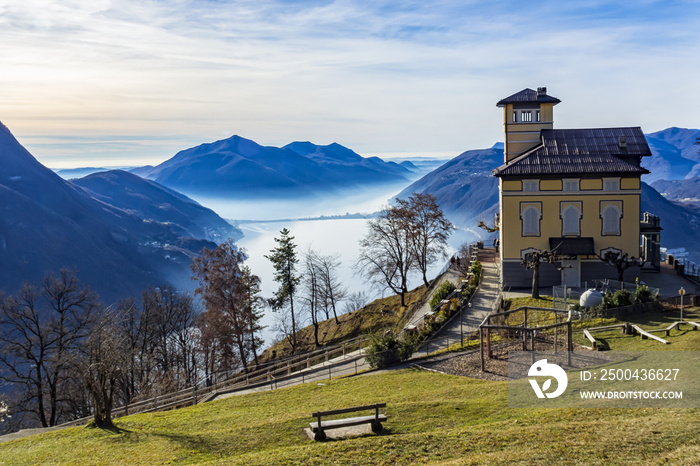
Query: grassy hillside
{"type": "Point", "coordinates": [381, 314]}
{"type": "Point", "coordinates": [433, 419]}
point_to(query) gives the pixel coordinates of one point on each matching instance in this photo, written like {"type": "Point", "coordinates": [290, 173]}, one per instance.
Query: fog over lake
{"type": "Point", "coordinates": [328, 236]}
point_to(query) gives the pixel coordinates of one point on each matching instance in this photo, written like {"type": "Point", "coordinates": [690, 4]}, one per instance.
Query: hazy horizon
{"type": "Point", "coordinates": [128, 84]}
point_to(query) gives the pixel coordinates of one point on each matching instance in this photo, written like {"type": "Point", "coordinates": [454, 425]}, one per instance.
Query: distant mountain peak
{"type": "Point", "coordinates": [241, 167]}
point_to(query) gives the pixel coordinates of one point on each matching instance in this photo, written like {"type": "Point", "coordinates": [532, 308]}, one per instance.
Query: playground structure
{"type": "Point", "coordinates": [631, 329]}
{"type": "Point", "coordinates": [525, 326]}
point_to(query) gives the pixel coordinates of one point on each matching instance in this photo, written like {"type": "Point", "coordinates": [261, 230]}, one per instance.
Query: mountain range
{"type": "Point", "coordinates": [123, 233]}
{"type": "Point", "coordinates": [152, 202]}
{"type": "Point", "coordinates": [238, 167]}
{"type": "Point", "coordinates": [675, 155]}
{"type": "Point", "coordinates": [464, 187]}
{"type": "Point", "coordinates": [113, 241]}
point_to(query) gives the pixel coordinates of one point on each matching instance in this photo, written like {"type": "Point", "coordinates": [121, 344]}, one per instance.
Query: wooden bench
{"type": "Point", "coordinates": [318, 427]}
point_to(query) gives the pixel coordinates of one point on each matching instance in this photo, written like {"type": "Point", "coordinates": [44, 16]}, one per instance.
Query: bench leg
{"type": "Point", "coordinates": [320, 435]}
{"type": "Point", "coordinates": [376, 427]}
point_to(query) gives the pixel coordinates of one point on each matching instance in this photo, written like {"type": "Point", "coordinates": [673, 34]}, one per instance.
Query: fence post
{"type": "Point", "coordinates": [481, 347]}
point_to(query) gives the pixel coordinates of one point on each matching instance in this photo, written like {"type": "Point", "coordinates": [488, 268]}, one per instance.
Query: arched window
{"type": "Point", "coordinates": [611, 214]}
{"type": "Point", "coordinates": [571, 220]}
{"type": "Point", "coordinates": [531, 215]}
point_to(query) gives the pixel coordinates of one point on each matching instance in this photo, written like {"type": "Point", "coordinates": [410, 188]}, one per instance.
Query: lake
{"type": "Point", "coordinates": [326, 236]}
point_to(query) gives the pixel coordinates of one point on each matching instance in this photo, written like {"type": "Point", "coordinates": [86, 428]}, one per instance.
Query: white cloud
{"type": "Point", "coordinates": [371, 75]}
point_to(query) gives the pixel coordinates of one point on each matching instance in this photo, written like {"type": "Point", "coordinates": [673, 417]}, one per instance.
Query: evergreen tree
{"type": "Point", "coordinates": [284, 260]}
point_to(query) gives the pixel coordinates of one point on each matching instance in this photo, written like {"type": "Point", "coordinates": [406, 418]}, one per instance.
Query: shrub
{"type": "Point", "coordinates": [607, 301]}
{"type": "Point", "coordinates": [643, 295]}
{"type": "Point", "coordinates": [442, 292]}
{"type": "Point", "coordinates": [476, 270]}
{"type": "Point", "coordinates": [622, 298]}
{"type": "Point", "coordinates": [388, 350]}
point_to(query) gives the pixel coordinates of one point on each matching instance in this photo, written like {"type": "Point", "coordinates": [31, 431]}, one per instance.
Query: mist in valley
{"type": "Point", "coordinates": [318, 223]}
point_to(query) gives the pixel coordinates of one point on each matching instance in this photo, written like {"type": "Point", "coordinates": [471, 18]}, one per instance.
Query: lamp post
{"type": "Point", "coordinates": [461, 321]}
{"type": "Point", "coordinates": [681, 292]}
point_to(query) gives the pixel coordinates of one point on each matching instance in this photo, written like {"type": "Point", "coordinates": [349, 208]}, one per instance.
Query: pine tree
{"type": "Point", "coordinates": [284, 260]}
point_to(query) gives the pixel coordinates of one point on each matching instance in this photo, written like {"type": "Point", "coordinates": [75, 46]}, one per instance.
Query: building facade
{"type": "Point", "coordinates": [573, 192]}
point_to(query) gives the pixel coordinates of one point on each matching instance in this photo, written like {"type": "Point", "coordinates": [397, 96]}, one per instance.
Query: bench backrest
{"type": "Point", "coordinates": [348, 410]}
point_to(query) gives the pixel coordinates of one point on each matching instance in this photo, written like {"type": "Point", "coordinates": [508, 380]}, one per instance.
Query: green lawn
{"type": "Point", "coordinates": [433, 419]}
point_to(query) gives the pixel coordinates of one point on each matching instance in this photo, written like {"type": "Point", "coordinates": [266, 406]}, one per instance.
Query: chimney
{"type": "Point", "coordinates": [541, 92]}
{"type": "Point", "coordinates": [622, 142]}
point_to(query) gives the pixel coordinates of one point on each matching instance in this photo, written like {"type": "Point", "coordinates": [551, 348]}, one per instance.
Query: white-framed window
{"type": "Point", "coordinates": [611, 184]}
{"type": "Point", "coordinates": [570, 214]}
{"type": "Point", "coordinates": [610, 215]}
{"type": "Point", "coordinates": [531, 185]}
{"type": "Point", "coordinates": [526, 115]}
{"type": "Point", "coordinates": [530, 215]}
{"type": "Point", "coordinates": [571, 184]}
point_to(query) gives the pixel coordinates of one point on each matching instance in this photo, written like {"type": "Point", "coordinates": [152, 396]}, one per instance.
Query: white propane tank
{"type": "Point", "coordinates": [591, 298]}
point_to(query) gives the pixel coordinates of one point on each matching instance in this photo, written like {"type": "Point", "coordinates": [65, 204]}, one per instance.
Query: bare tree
{"type": "Point", "coordinates": [105, 362]}
{"type": "Point", "coordinates": [172, 316]}
{"type": "Point", "coordinates": [330, 290]}
{"type": "Point", "coordinates": [385, 257]}
{"type": "Point", "coordinates": [428, 230]}
{"type": "Point", "coordinates": [621, 262]}
{"type": "Point", "coordinates": [41, 334]}
{"type": "Point", "coordinates": [311, 289]}
{"type": "Point", "coordinates": [356, 301]}
{"type": "Point", "coordinates": [533, 260]}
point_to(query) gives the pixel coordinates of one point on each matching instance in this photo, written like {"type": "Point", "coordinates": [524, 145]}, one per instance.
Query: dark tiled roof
{"type": "Point", "coordinates": [528, 95]}
{"type": "Point", "coordinates": [581, 151]}
{"type": "Point", "coordinates": [594, 141]}
{"type": "Point", "coordinates": [572, 246]}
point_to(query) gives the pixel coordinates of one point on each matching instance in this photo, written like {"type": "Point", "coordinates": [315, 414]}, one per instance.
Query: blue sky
{"type": "Point", "coordinates": [115, 82]}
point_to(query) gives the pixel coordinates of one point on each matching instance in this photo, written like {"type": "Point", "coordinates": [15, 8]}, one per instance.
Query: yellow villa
{"type": "Point", "coordinates": [573, 192]}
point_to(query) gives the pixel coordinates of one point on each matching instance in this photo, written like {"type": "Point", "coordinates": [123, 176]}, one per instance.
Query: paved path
{"type": "Point", "coordinates": [452, 275]}
{"type": "Point", "coordinates": [467, 321]}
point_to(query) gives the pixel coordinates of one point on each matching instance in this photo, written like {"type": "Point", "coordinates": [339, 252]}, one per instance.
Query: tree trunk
{"type": "Point", "coordinates": [334, 313]}
{"type": "Point", "coordinates": [252, 343]}
{"type": "Point", "coordinates": [620, 276]}
{"type": "Point", "coordinates": [536, 282]}
{"type": "Point", "coordinates": [241, 351]}
{"type": "Point", "coordinates": [294, 326]}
